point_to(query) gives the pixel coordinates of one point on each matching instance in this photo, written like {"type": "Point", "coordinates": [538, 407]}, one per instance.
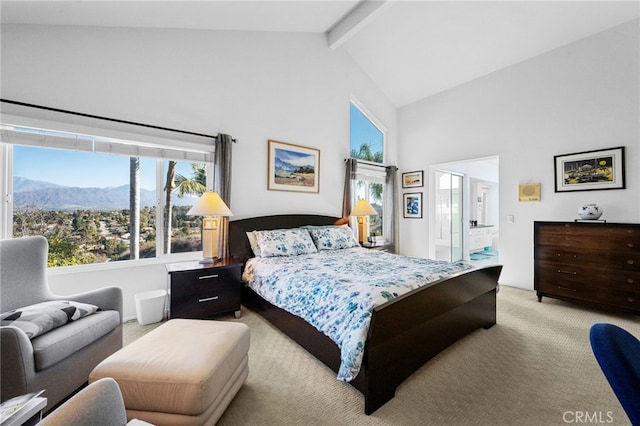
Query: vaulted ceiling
{"type": "Point", "coordinates": [410, 48]}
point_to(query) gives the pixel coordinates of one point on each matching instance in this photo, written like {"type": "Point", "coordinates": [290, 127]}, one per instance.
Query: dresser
{"type": "Point", "coordinates": [592, 263]}
{"type": "Point", "coordinates": [200, 291]}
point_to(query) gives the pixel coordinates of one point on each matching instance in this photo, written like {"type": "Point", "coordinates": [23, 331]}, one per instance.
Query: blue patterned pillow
{"type": "Point", "coordinates": [284, 242]}
{"type": "Point", "coordinates": [333, 238]}
{"type": "Point", "coordinates": [37, 319]}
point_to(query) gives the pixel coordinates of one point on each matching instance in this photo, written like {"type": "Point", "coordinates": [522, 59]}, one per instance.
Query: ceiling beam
{"type": "Point", "coordinates": [353, 21]}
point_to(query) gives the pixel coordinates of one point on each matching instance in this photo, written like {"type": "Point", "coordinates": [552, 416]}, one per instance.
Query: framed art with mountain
{"type": "Point", "coordinates": [293, 167]}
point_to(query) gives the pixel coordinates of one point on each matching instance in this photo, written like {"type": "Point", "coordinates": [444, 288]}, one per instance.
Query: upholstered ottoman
{"type": "Point", "coordinates": [185, 372]}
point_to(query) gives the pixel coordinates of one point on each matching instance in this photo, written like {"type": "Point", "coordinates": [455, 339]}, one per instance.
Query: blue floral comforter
{"type": "Point", "coordinates": [336, 290]}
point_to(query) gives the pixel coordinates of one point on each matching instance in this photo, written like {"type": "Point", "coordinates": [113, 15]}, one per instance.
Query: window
{"type": "Point", "coordinates": [78, 191]}
{"type": "Point", "coordinates": [370, 187]}
{"type": "Point", "coordinates": [367, 144]}
{"type": "Point", "coordinates": [367, 140]}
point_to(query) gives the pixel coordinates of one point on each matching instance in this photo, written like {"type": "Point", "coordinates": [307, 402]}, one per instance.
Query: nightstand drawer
{"type": "Point", "coordinates": [205, 303]}
{"type": "Point", "coordinates": [202, 281]}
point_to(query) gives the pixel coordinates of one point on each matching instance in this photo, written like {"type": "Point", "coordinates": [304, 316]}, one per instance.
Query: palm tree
{"type": "Point", "coordinates": [182, 187]}
{"type": "Point", "coordinates": [134, 208]}
{"type": "Point", "coordinates": [365, 153]}
{"type": "Point", "coordinates": [197, 185]}
{"type": "Point", "coordinates": [168, 188]}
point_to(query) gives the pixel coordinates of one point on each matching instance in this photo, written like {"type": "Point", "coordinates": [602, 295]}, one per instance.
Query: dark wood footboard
{"type": "Point", "coordinates": [404, 333]}
{"type": "Point", "coordinates": [408, 331]}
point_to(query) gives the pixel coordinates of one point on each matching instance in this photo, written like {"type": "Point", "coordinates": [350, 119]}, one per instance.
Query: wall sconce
{"type": "Point", "coordinates": [211, 206]}
{"type": "Point", "coordinates": [362, 211]}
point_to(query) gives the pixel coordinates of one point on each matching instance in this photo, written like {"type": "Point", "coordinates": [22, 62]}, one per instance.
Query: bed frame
{"type": "Point", "coordinates": [431, 318]}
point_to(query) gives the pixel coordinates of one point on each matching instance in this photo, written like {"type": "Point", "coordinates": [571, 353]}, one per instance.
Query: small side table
{"type": "Point", "coordinates": [28, 414]}
{"type": "Point", "coordinates": [203, 291]}
{"type": "Point", "coordinates": [381, 247]}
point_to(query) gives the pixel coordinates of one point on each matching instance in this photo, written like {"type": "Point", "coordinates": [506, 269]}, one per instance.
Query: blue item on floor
{"type": "Point", "coordinates": [478, 256]}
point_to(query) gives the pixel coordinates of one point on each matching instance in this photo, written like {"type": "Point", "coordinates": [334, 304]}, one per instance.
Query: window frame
{"type": "Point", "coordinates": [147, 141]}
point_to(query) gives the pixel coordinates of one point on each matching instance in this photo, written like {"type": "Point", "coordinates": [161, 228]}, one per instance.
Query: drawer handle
{"type": "Point", "coordinates": [560, 271]}
{"type": "Point", "coordinates": [206, 277]}
{"type": "Point", "coordinates": [630, 281]}
{"type": "Point", "coordinates": [568, 255]}
{"type": "Point", "coordinates": [566, 288]}
{"type": "Point", "coordinates": [630, 261]}
{"type": "Point", "coordinates": [208, 299]}
{"type": "Point", "coordinates": [630, 245]}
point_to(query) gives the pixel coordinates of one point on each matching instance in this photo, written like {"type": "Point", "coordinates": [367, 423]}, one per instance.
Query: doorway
{"type": "Point", "coordinates": [448, 217]}
{"type": "Point", "coordinates": [463, 206]}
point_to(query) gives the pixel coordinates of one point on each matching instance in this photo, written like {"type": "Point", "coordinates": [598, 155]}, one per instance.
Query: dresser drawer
{"type": "Point", "coordinates": [624, 299]}
{"type": "Point", "coordinates": [570, 240]}
{"type": "Point", "coordinates": [629, 243]}
{"type": "Point", "coordinates": [625, 231]}
{"type": "Point", "coordinates": [567, 255]}
{"type": "Point", "coordinates": [629, 261]}
{"type": "Point", "coordinates": [564, 229]}
{"type": "Point", "coordinates": [624, 280]}
{"type": "Point", "coordinates": [581, 275]}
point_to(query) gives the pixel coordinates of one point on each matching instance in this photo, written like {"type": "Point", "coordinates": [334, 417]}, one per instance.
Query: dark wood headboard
{"type": "Point", "coordinates": [239, 244]}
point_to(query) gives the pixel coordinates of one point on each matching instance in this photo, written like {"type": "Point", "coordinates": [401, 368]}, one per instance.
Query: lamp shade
{"type": "Point", "coordinates": [363, 208]}
{"type": "Point", "coordinates": [210, 204]}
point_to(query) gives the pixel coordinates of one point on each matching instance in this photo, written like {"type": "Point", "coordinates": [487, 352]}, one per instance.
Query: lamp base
{"type": "Point", "coordinates": [208, 260]}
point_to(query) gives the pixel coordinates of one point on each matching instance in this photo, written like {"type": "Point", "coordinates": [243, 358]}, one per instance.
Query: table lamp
{"type": "Point", "coordinates": [211, 206]}
{"type": "Point", "coordinates": [362, 211]}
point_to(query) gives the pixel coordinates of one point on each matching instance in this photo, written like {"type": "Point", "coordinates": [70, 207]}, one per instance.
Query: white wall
{"type": "Point", "coordinates": [580, 97]}
{"type": "Point", "coordinates": [254, 86]}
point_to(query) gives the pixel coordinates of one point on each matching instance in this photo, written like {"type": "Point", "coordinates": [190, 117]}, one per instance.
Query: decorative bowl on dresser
{"type": "Point", "coordinates": [597, 263]}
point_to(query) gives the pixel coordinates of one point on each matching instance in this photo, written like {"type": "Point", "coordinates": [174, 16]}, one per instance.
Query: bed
{"type": "Point", "coordinates": [430, 318]}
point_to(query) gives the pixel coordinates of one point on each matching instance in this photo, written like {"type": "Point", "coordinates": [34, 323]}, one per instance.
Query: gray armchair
{"type": "Point", "coordinates": [59, 360]}
{"type": "Point", "coordinates": [100, 403]}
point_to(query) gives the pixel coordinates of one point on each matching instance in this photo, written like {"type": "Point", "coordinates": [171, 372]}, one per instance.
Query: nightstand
{"type": "Point", "coordinates": [202, 291]}
{"type": "Point", "coordinates": [381, 247]}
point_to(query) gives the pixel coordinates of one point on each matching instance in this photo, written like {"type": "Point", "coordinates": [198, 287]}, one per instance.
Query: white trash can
{"type": "Point", "coordinates": [150, 306]}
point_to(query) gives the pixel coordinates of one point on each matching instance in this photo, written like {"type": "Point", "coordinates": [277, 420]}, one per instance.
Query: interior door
{"type": "Point", "coordinates": [448, 216]}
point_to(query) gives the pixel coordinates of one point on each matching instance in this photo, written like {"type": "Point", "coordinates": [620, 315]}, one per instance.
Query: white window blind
{"type": "Point", "coordinates": [40, 137]}
{"type": "Point", "coordinates": [371, 172]}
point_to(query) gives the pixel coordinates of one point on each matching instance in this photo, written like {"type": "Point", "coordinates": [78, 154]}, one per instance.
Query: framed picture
{"type": "Point", "coordinates": [293, 167]}
{"type": "Point", "coordinates": [413, 179]}
{"type": "Point", "coordinates": [413, 205]}
{"type": "Point", "coordinates": [529, 192]}
{"type": "Point", "coordinates": [590, 170]}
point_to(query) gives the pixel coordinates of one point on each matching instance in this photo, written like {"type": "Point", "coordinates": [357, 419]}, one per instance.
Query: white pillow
{"type": "Point", "coordinates": [253, 243]}
{"type": "Point", "coordinates": [284, 242]}
{"type": "Point", "coordinates": [333, 238]}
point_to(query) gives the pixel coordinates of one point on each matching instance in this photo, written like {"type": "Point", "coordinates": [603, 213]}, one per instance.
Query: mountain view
{"type": "Point", "coordinates": [50, 196]}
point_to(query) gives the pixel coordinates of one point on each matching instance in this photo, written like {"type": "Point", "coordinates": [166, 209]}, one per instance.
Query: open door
{"type": "Point", "coordinates": [448, 216]}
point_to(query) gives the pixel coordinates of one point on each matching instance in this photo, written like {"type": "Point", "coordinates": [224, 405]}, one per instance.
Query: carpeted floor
{"type": "Point", "coordinates": [534, 367]}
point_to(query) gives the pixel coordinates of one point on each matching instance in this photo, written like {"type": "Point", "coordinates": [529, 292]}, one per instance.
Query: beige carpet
{"type": "Point", "coordinates": [535, 367]}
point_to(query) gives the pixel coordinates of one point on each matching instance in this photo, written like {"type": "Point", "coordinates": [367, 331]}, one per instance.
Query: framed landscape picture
{"type": "Point", "coordinates": [293, 167]}
{"type": "Point", "coordinates": [413, 179]}
{"type": "Point", "coordinates": [412, 203]}
{"type": "Point", "coordinates": [590, 170]}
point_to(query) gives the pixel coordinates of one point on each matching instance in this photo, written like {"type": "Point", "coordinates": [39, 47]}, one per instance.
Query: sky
{"type": "Point", "coordinates": [363, 131]}
{"type": "Point", "coordinates": [83, 169]}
